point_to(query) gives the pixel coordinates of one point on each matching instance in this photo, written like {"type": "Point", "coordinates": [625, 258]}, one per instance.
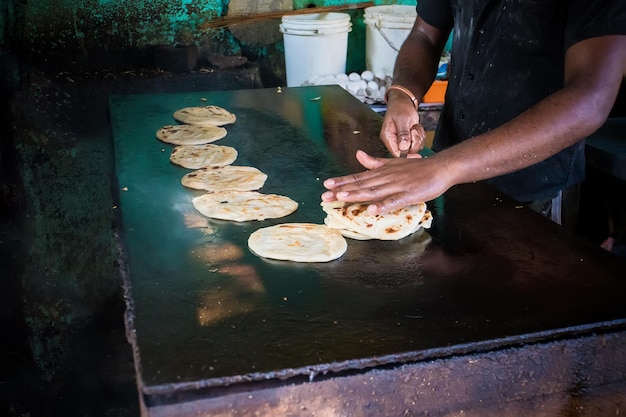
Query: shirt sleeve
{"type": "Point", "coordinates": [437, 13]}
{"type": "Point", "coordinates": [591, 18]}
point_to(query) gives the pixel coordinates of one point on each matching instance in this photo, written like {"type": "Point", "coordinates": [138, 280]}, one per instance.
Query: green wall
{"type": "Point", "coordinates": [109, 25]}
{"type": "Point", "coordinates": [87, 32]}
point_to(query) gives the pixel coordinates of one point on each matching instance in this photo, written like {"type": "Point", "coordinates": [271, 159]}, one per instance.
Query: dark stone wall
{"type": "Point", "coordinates": [64, 350]}
{"type": "Point", "coordinates": [95, 34]}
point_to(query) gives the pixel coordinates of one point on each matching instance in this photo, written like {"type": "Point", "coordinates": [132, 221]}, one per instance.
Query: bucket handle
{"type": "Point", "coordinates": [382, 33]}
{"type": "Point", "coordinates": [301, 32]}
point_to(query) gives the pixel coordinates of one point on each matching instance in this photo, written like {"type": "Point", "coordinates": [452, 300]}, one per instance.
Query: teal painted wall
{"type": "Point", "coordinates": [86, 31]}
{"type": "Point", "coordinates": [54, 25]}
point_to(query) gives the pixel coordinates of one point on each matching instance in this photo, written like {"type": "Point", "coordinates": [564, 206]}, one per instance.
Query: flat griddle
{"type": "Point", "coordinates": [206, 314]}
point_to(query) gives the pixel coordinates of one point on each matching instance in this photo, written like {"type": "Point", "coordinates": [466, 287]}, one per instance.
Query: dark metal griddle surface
{"type": "Point", "coordinates": [207, 312]}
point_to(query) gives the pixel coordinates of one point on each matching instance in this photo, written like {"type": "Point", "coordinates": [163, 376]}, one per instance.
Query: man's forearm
{"type": "Point", "coordinates": [557, 122]}
{"type": "Point", "coordinates": [560, 120]}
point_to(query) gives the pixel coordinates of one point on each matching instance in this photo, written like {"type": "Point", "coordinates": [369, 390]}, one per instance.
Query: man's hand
{"type": "Point", "coordinates": [390, 184]}
{"type": "Point", "coordinates": [401, 129]}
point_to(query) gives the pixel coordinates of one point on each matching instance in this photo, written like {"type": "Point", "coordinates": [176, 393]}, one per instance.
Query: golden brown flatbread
{"type": "Point", "coordinates": [205, 116]}
{"type": "Point", "coordinates": [298, 242]}
{"type": "Point", "coordinates": [199, 156]}
{"type": "Point", "coordinates": [241, 206]}
{"type": "Point", "coordinates": [189, 134]}
{"type": "Point", "coordinates": [354, 221]}
{"type": "Point", "coordinates": [230, 177]}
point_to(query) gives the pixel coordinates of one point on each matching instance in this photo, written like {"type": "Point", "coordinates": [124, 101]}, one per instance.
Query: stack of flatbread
{"type": "Point", "coordinates": [299, 242]}
{"type": "Point", "coordinates": [355, 222]}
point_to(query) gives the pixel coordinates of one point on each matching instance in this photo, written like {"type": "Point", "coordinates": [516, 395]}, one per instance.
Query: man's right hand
{"type": "Point", "coordinates": [402, 123]}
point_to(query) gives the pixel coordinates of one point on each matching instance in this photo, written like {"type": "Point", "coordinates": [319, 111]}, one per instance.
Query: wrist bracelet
{"type": "Point", "coordinates": [405, 91]}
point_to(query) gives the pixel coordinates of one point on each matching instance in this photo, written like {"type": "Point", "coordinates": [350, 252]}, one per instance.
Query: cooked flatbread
{"type": "Point", "coordinates": [354, 221]}
{"type": "Point", "coordinates": [189, 134]}
{"type": "Point", "coordinates": [241, 206]}
{"type": "Point", "coordinates": [298, 242]}
{"type": "Point", "coordinates": [229, 177]}
{"type": "Point", "coordinates": [335, 224]}
{"type": "Point", "coordinates": [199, 156]}
{"type": "Point", "coordinates": [205, 116]}
{"type": "Point", "coordinates": [426, 221]}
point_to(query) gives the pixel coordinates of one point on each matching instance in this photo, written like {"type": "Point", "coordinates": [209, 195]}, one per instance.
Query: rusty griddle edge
{"type": "Point", "coordinates": [213, 388]}
{"type": "Point", "coordinates": [129, 314]}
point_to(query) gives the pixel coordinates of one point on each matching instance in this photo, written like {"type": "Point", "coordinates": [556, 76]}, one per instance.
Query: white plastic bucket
{"type": "Point", "coordinates": [316, 44]}
{"type": "Point", "coordinates": [386, 29]}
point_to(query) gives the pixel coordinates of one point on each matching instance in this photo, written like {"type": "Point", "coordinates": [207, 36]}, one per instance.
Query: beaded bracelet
{"type": "Point", "coordinates": [405, 91]}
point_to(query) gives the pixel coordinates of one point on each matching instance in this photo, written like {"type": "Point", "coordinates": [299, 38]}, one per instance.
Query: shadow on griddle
{"type": "Point", "coordinates": [380, 264]}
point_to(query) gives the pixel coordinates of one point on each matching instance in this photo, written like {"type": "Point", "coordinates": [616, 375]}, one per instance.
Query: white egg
{"type": "Point", "coordinates": [329, 80]}
{"type": "Point", "coordinates": [353, 86]}
{"type": "Point", "coordinates": [382, 90]}
{"type": "Point", "coordinates": [367, 75]}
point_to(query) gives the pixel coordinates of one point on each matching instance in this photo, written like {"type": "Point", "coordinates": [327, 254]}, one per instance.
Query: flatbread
{"type": "Point", "coordinates": [354, 221]}
{"type": "Point", "coordinates": [190, 135]}
{"type": "Point", "coordinates": [241, 206]}
{"type": "Point", "coordinates": [199, 156]}
{"type": "Point", "coordinates": [230, 177]}
{"type": "Point", "coordinates": [205, 116]}
{"type": "Point", "coordinates": [351, 234]}
{"type": "Point", "coordinates": [298, 242]}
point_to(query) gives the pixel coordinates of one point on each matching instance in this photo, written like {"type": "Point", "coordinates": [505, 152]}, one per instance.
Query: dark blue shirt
{"type": "Point", "coordinates": [506, 56]}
